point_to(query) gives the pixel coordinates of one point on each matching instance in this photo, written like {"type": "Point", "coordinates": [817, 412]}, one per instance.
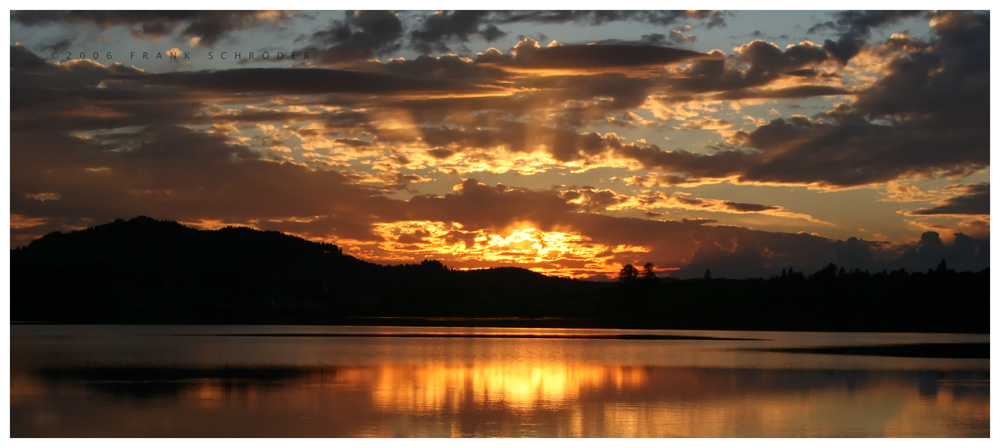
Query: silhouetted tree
{"type": "Point", "coordinates": [628, 274]}
{"type": "Point", "coordinates": [899, 274]}
{"type": "Point", "coordinates": [942, 268]}
{"type": "Point", "coordinates": [433, 265]}
{"type": "Point", "coordinates": [708, 274]}
{"type": "Point", "coordinates": [827, 274]}
{"type": "Point", "coordinates": [647, 272]}
{"type": "Point", "coordinates": [793, 276]}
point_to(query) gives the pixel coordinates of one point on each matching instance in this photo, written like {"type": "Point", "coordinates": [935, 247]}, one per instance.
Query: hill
{"type": "Point", "coordinates": [144, 270]}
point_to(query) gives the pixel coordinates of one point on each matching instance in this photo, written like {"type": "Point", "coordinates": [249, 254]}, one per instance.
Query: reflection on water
{"type": "Point", "coordinates": [323, 387]}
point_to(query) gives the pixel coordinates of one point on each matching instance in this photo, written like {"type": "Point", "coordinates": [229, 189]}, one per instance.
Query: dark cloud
{"type": "Point", "coordinates": [755, 64]}
{"type": "Point", "coordinates": [442, 67]}
{"type": "Point", "coordinates": [72, 96]}
{"type": "Point", "coordinates": [675, 37]}
{"type": "Point", "coordinates": [856, 153]}
{"type": "Point", "coordinates": [844, 154]}
{"type": "Point", "coordinates": [177, 173]}
{"type": "Point", "coordinates": [59, 46]}
{"type": "Point", "coordinates": [928, 116]}
{"type": "Point", "coordinates": [745, 207]}
{"type": "Point", "coordinates": [610, 92]}
{"type": "Point", "coordinates": [152, 31]}
{"type": "Point", "coordinates": [942, 85]}
{"type": "Point", "coordinates": [103, 19]}
{"type": "Point", "coordinates": [590, 199]}
{"type": "Point", "coordinates": [492, 33]}
{"type": "Point", "coordinates": [360, 35]}
{"type": "Point", "coordinates": [736, 252]}
{"type": "Point", "coordinates": [964, 253]}
{"type": "Point", "coordinates": [209, 26]}
{"type": "Point", "coordinates": [767, 60]}
{"type": "Point", "coordinates": [745, 253]}
{"type": "Point", "coordinates": [690, 165]}
{"type": "Point", "coordinates": [854, 253]}
{"type": "Point", "coordinates": [441, 27]}
{"type": "Point", "coordinates": [662, 18]}
{"type": "Point", "coordinates": [974, 201]}
{"type": "Point", "coordinates": [653, 39]}
{"type": "Point", "coordinates": [695, 245]}
{"type": "Point", "coordinates": [936, 100]}
{"type": "Point", "coordinates": [23, 59]}
{"type": "Point", "coordinates": [528, 55]}
{"type": "Point", "coordinates": [478, 206]}
{"type": "Point", "coordinates": [855, 29]}
{"type": "Point", "coordinates": [788, 92]}
{"type": "Point", "coordinates": [302, 81]}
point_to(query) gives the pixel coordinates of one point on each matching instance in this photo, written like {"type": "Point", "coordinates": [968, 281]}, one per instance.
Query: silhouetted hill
{"type": "Point", "coordinates": [149, 271]}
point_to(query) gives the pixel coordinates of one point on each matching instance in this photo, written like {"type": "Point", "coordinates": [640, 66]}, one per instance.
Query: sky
{"type": "Point", "coordinates": [566, 142]}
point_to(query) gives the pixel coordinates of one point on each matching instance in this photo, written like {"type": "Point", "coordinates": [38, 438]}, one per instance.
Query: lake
{"type": "Point", "coordinates": [307, 381]}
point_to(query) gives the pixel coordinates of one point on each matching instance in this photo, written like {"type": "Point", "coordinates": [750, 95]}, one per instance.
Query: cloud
{"type": "Point", "coordinates": [360, 35]}
{"type": "Point", "coordinates": [974, 200]}
{"type": "Point", "coordinates": [591, 199]}
{"type": "Point", "coordinates": [262, 81]}
{"type": "Point", "coordinates": [855, 28]}
{"type": "Point", "coordinates": [766, 59]}
{"type": "Point", "coordinates": [788, 92]}
{"type": "Point", "coordinates": [43, 100]}
{"type": "Point", "coordinates": [177, 173]}
{"type": "Point", "coordinates": [965, 253]}
{"type": "Point", "coordinates": [942, 84]}
{"type": "Point", "coordinates": [655, 200]}
{"type": "Point", "coordinates": [707, 123]}
{"type": "Point", "coordinates": [935, 97]}
{"type": "Point", "coordinates": [907, 192]}
{"type": "Point", "coordinates": [440, 27]}
{"type": "Point", "coordinates": [662, 18]}
{"type": "Point", "coordinates": [478, 206]}
{"type": "Point", "coordinates": [754, 64]}
{"type": "Point", "coordinates": [745, 207]}
{"type": "Point", "coordinates": [898, 128]}
{"type": "Point", "coordinates": [209, 26]}
{"type": "Point", "coordinates": [859, 153]}
{"type": "Point", "coordinates": [528, 54]}
{"type": "Point", "coordinates": [849, 146]}
{"type": "Point", "coordinates": [59, 46]}
{"type": "Point", "coordinates": [447, 66]}
{"type": "Point", "coordinates": [443, 27]}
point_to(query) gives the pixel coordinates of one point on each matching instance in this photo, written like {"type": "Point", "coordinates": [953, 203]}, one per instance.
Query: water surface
{"type": "Point", "coordinates": [302, 381]}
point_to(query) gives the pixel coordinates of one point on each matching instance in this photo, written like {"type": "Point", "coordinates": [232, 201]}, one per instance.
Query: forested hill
{"type": "Point", "coordinates": [149, 271]}
{"type": "Point", "coordinates": [146, 270]}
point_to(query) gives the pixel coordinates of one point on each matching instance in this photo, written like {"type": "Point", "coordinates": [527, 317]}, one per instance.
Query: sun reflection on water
{"type": "Point", "coordinates": [521, 386]}
{"type": "Point", "coordinates": [483, 387]}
